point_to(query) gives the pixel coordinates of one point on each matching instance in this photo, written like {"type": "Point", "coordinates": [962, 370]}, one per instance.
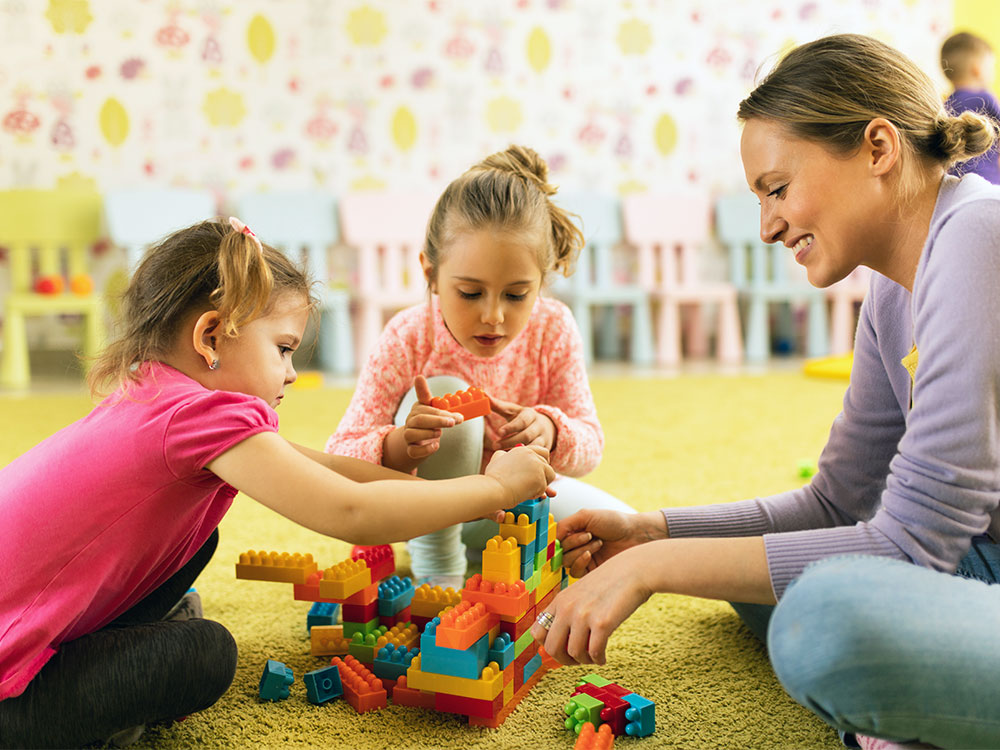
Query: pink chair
{"type": "Point", "coordinates": [844, 296]}
{"type": "Point", "coordinates": [668, 230]}
{"type": "Point", "coordinates": [388, 230]}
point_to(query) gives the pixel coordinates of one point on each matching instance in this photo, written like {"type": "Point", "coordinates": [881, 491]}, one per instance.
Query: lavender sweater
{"type": "Point", "coordinates": [912, 482]}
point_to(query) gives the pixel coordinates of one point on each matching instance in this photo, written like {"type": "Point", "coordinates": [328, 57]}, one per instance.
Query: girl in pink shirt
{"type": "Point", "coordinates": [492, 239]}
{"type": "Point", "coordinates": [108, 522]}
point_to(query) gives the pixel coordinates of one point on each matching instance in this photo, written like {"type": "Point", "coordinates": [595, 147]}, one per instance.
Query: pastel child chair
{"type": "Point", "coordinates": [760, 272]}
{"type": "Point", "coordinates": [305, 222]}
{"type": "Point", "coordinates": [388, 230]}
{"type": "Point", "coordinates": [52, 230]}
{"type": "Point", "coordinates": [137, 217]}
{"type": "Point", "coordinates": [669, 230]}
{"type": "Point", "coordinates": [594, 284]}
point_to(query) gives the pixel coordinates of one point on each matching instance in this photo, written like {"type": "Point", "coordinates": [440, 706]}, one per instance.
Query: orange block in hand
{"type": "Point", "coordinates": [472, 402]}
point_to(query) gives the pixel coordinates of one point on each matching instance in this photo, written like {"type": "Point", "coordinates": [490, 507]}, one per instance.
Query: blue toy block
{"type": "Point", "coordinates": [275, 683]}
{"type": "Point", "coordinates": [467, 663]}
{"type": "Point", "coordinates": [532, 666]}
{"type": "Point", "coordinates": [502, 650]}
{"type": "Point", "coordinates": [542, 537]}
{"type": "Point", "coordinates": [391, 662]}
{"type": "Point", "coordinates": [322, 613]}
{"type": "Point", "coordinates": [323, 685]}
{"type": "Point", "coordinates": [527, 568]}
{"type": "Point", "coordinates": [640, 716]}
{"type": "Point", "coordinates": [394, 595]}
{"type": "Point", "coordinates": [534, 509]}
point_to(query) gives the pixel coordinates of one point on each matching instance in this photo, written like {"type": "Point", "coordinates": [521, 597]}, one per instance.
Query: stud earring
{"type": "Point", "coordinates": [214, 365]}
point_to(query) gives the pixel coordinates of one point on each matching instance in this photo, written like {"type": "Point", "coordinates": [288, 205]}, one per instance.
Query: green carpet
{"type": "Point", "coordinates": [678, 441]}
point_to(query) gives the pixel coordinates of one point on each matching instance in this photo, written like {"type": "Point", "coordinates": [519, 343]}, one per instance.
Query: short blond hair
{"type": "Point", "coordinates": [960, 51]}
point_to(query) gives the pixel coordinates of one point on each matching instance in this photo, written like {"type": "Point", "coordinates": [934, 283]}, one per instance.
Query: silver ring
{"type": "Point", "coordinates": [545, 620]}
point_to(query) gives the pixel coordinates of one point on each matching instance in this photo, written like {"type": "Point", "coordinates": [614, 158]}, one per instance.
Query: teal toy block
{"type": "Point", "coordinates": [322, 613]}
{"type": "Point", "coordinates": [391, 662]}
{"type": "Point", "coordinates": [532, 666]}
{"type": "Point", "coordinates": [276, 682]}
{"type": "Point", "coordinates": [527, 569]}
{"type": "Point", "coordinates": [502, 650]}
{"type": "Point", "coordinates": [323, 685]}
{"type": "Point", "coordinates": [534, 509]}
{"type": "Point", "coordinates": [542, 537]}
{"type": "Point", "coordinates": [641, 716]}
{"type": "Point", "coordinates": [467, 663]}
{"type": "Point", "coordinates": [394, 595]}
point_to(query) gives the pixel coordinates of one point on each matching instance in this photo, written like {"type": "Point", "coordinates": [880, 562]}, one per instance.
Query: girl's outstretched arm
{"type": "Point", "coordinates": [270, 470]}
{"type": "Point", "coordinates": [352, 468]}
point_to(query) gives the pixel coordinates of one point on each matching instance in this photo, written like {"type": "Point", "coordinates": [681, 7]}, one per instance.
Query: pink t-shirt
{"type": "Point", "coordinates": [101, 513]}
{"type": "Point", "coordinates": [542, 368]}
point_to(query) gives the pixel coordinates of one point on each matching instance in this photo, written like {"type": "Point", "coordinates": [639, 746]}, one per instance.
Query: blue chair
{"type": "Point", "coordinates": [305, 222]}
{"type": "Point", "coordinates": [594, 283]}
{"type": "Point", "coordinates": [138, 217]}
{"type": "Point", "coordinates": [760, 273]}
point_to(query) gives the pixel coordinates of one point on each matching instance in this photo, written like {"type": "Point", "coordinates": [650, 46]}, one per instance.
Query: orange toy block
{"type": "Point", "coordinates": [595, 739]}
{"type": "Point", "coordinates": [487, 687]}
{"type": "Point", "coordinates": [327, 640]}
{"type": "Point", "coordinates": [275, 566]}
{"type": "Point", "coordinates": [345, 579]}
{"type": "Point", "coordinates": [465, 624]}
{"type": "Point", "coordinates": [429, 601]}
{"type": "Point", "coordinates": [547, 661]}
{"type": "Point", "coordinates": [470, 403]}
{"type": "Point", "coordinates": [509, 602]}
{"type": "Point", "coordinates": [363, 690]}
{"type": "Point", "coordinates": [501, 560]}
{"type": "Point", "coordinates": [520, 529]}
{"type": "Point", "coordinates": [404, 695]}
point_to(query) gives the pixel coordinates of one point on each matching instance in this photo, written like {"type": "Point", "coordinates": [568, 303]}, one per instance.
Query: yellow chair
{"type": "Point", "coordinates": [38, 227]}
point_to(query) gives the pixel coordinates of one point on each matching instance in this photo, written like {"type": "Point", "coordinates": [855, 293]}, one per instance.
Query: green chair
{"type": "Point", "coordinates": [48, 234]}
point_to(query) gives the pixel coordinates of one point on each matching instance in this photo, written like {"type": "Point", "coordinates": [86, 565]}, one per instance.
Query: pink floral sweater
{"type": "Point", "coordinates": [542, 368]}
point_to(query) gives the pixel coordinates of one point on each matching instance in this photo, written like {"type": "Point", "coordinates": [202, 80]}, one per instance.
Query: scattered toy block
{"type": "Point", "coordinates": [322, 613]}
{"type": "Point", "coordinates": [501, 560]}
{"type": "Point", "coordinates": [380, 559]}
{"type": "Point", "coordinates": [581, 709]}
{"type": "Point", "coordinates": [470, 403]}
{"type": "Point", "coordinates": [323, 685]}
{"type": "Point", "coordinates": [362, 689]}
{"type": "Point", "coordinates": [464, 624]}
{"type": "Point", "coordinates": [345, 579]}
{"type": "Point", "coordinates": [641, 718]}
{"type": "Point", "coordinates": [404, 695]}
{"type": "Point", "coordinates": [280, 567]}
{"type": "Point", "coordinates": [328, 640]}
{"type": "Point", "coordinates": [510, 602]}
{"type": "Point", "coordinates": [429, 601]}
{"type": "Point", "coordinates": [487, 687]}
{"type": "Point", "coordinates": [595, 739]}
{"type": "Point", "coordinates": [276, 681]}
{"type": "Point", "coordinates": [614, 709]}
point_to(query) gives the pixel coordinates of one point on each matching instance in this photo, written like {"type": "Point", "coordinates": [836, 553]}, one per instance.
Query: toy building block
{"type": "Point", "coordinates": [502, 651]}
{"type": "Point", "coordinates": [371, 626]}
{"type": "Point", "coordinates": [487, 687]}
{"type": "Point", "coordinates": [456, 704]}
{"type": "Point", "coordinates": [275, 566]}
{"type": "Point", "coordinates": [429, 601]}
{"type": "Point", "coordinates": [276, 681]}
{"type": "Point", "coordinates": [509, 704]}
{"type": "Point", "coordinates": [394, 595]}
{"type": "Point", "coordinates": [518, 628]}
{"type": "Point", "coordinates": [550, 580]}
{"type": "Point", "coordinates": [501, 560]}
{"type": "Point", "coordinates": [404, 615]}
{"type": "Point", "coordinates": [470, 403]}
{"type": "Point", "coordinates": [464, 624]}
{"type": "Point", "coordinates": [380, 559]}
{"type": "Point", "coordinates": [518, 527]}
{"type": "Point", "coordinates": [345, 579]}
{"type": "Point", "coordinates": [614, 709]}
{"type": "Point", "coordinates": [509, 602]}
{"type": "Point", "coordinates": [363, 646]}
{"type": "Point", "coordinates": [531, 667]}
{"type": "Point", "coordinates": [525, 569]}
{"type": "Point", "coordinates": [360, 612]}
{"type": "Point", "coordinates": [322, 613]}
{"type": "Point", "coordinates": [556, 555]}
{"type": "Point", "coordinates": [528, 651]}
{"type": "Point", "coordinates": [404, 695]}
{"type": "Point", "coordinates": [309, 591]}
{"type": "Point", "coordinates": [594, 679]}
{"type": "Point", "coordinates": [323, 685]}
{"type": "Point", "coordinates": [641, 716]}
{"type": "Point", "coordinates": [581, 709]}
{"type": "Point", "coordinates": [547, 661]}
{"type": "Point", "coordinates": [595, 739]}
{"type": "Point", "coordinates": [328, 640]}
{"type": "Point", "coordinates": [391, 663]}
{"type": "Point", "coordinates": [456, 662]}
{"type": "Point", "coordinates": [362, 689]}
{"type": "Point", "coordinates": [536, 509]}
{"type": "Point", "coordinates": [401, 634]}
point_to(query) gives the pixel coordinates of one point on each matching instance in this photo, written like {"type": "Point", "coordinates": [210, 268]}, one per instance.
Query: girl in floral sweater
{"type": "Point", "coordinates": [492, 239]}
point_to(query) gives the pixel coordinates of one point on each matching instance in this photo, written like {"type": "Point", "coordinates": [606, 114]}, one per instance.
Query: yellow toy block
{"type": "Point", "coordinates": [552, 529]}
{"type": "Point", "coordinates": [328, 640]}
{"type": "Point", "coordinates": [345, 579]}
{"type": "Point", "coordinates": [502, 560]}
{"type": "Point", "coordinates": [549, 580]}
{"type": "Point", "coordinates": [281, 567]}
{"type": "Point", "coordinates": [401, 634]}
{"type": "Point", "coordinates": [521, 530]}
{"type": "Point", "coordinates": [428, 601]}
{"type": "Point", "coordinates": [487, 687]}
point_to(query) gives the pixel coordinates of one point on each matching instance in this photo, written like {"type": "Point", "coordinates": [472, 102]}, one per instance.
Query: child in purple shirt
{"type": "Point", "coordinates": [968, 62]}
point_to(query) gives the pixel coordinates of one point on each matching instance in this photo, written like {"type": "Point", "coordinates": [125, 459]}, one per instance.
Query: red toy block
{"type": "Point", "coordinates": [381, 560]}
{"type": "Point", "coordinates": [613, 713]}
{"type": "Point", "coordinates": [402, 616]}
{"type": "Point", "coordinates": [345, 579]}
{"type": "Point", "coordinates": [362, 689]}
{"type": "Point", "coordinates": [275, 566]}
{"type": "Point", "coordinates": [516, 629]}
{"type": "Point", "coordinates": [464, 624]}
{"type": "Point", "coordinates": [403, 695]}
{"type": "Point", "coordinates": [456, 704]}
{"type": "Point", "coordinates": [470, 403]}
{"type": "Point", "coordinates": [510, 705]}
{"type": "Point", "coordinates": [510, 602]}
{"type": "Point", "coordinates": [595, 739]}
{"type": "Point", "coordinates": [420, 622]}
{"type": "Point", "coordinates": [523, 658]}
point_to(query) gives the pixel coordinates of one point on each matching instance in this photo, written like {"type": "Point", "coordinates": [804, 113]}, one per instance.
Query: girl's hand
{"type": "Point", "coordinates": [422, 431]}
{"type": "Point", "coordinates": [592, 537]}
{"type": "Point", "coordinates": [588, 612]}
{"type": "Point", "coordinates": [524, 473]}
{"type": "Point", "coordinates": [524, 425]}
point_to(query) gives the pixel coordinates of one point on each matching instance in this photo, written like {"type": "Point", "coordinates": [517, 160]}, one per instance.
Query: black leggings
{"type": "Point", "coordinates": [136, 670]}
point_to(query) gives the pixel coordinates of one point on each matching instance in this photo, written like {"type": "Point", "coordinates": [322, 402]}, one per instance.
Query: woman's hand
{"type": "Point", "coordinates": [524, 425]}
{"type": "Point", "coordinates": [591, 537]}
{"type": "Point", "coordinates": [586, 614]}
{"type": "Point", "coordinates": [422, 431]}
{"type": "Point", "coordinates": [523, 472]}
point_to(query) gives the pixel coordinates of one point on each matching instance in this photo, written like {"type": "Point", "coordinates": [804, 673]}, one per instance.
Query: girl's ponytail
{"type": "Point", "coordinates": [245, 280]}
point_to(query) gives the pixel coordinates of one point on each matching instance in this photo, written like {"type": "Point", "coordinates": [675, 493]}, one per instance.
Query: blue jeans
{"type": "Point", "coordinates": [889, 649]}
